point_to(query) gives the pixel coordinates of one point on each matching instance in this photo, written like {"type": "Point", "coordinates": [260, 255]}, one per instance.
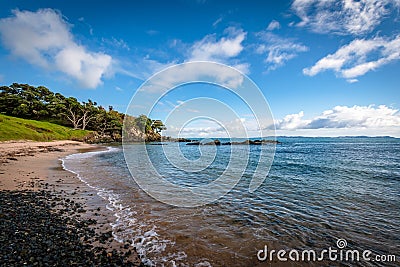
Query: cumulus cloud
{"type": "Point", "coordinates": [291, 122]}
{"type": "Point", "coordinates": [278, 50]}
{"type": "Point", "coordinates": [210, 48]}
{"type": "Point", "coordinates": [343, 16]}
{"type": "Point", "coordinates": [224, 50]}
{"type": "Point", "coordinates": [358, 57]}
{"type": "Point", "coordinates": [43, 38]}
{"type": "Point", "coordinates": [343, 117]}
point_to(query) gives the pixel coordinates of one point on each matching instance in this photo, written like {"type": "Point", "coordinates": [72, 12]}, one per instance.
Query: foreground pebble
{"type": "Point", "coordinates": [35, 234]}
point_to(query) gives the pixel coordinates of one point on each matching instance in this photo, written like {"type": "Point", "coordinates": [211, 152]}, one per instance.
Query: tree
{"type": "Point", "coordinates": [25, 101]}
{"type": "Point", "coordinates": [39, 103]}
{"type": "Point", "coordinates": [158, 126]}
{"type": "Point", "coordinates": [72, 111]}
{"type": "Point", "coordinates": [108, 122]}
{"type": "Point", "coordinates": [88, 112]}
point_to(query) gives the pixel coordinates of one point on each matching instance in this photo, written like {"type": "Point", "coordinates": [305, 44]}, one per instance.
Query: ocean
{"type": "Point", "coordinates": [318, 191]}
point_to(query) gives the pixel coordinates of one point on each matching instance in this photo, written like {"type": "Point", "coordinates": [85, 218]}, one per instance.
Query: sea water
{"type": "Point", "coordinates": [318, 190]}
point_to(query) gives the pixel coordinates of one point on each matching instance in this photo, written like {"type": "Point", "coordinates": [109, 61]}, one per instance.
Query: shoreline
{"type": "Point", "coordinates": [33, 183]}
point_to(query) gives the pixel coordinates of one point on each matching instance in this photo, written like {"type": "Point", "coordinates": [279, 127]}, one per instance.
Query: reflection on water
{"type": "Point", "coordinates": [318, 190]}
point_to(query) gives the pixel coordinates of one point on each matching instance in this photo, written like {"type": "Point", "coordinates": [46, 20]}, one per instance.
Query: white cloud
{"type": "Point", "coordinates": [339, 121]}
{"type": "Point", "coordinates": [343, 16]}
{"type": "Point", "coordinates": [43, 38]}
{"type": "Point", "coordinates": [278, 50]}
{"type": "Point", "coordinates": [273, 25]}
{"type": "Point", "coordinates": [243, 67]}
{"type": "Point", "coordinates": [352, 80]}
{"type": "Point", "coordinates": [291, 122]}
{"type": "Point", "coordinates": [381, 119]}
{"type": "Point", "coordinates": [209, 48]}
{"type": "Point", "coordinates": [195, 71]}
{"type": "Point", "coordinates": [224, 50]}
{"type": "Point", "coordinates": [358, 57]}
{"type": "Point", "coordinates": [87, 68]}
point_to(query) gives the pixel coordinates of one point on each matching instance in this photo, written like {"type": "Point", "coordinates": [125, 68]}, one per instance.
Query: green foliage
{"type": "Point", "coordinates": [157, 126]}
{"type": "Point", "coordinates": [39, 103]}
{"type": "Point", "coordinates": [12, 128]}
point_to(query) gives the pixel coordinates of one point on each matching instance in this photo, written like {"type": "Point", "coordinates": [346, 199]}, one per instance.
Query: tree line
{"type": "Point", "coordinates": [39, 103]}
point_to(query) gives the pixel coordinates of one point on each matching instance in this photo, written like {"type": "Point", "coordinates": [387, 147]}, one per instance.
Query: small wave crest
{"type": "Point", "coordinates": [126, 227]}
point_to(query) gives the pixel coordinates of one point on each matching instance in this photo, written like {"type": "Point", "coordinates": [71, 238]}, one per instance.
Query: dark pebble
{"type": "Point", "coordinates": [32, 234]}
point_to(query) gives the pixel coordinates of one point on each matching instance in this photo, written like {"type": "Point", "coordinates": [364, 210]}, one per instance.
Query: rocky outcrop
{"type": "Point", "coordinates": [216, 142]}
{"type": "Point", "coordinates": [246, 142]}
{"type": "Point", "coordinates": [133, 133]}
{"type": "Point", "coordinates": [172, 139]}
{"type": "Point", "coordinates": [193, 143]}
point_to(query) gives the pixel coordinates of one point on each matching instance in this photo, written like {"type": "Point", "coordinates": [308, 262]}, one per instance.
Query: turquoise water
{"type": "Point", "coordinates": [318, 190]}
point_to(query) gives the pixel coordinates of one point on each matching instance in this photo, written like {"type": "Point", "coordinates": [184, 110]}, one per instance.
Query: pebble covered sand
{"type": "Point", "coordinates": [45, 218]}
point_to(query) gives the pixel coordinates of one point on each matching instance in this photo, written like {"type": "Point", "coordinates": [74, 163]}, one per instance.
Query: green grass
{"type": "Point", "coordinates": [12, 128]}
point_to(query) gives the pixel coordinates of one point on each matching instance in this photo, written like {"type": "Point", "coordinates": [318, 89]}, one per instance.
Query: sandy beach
{"type": "Point", "coordinates": [34, 185]}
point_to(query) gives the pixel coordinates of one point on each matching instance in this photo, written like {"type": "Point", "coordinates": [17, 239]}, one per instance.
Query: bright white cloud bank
{"type": "Point", "coordinates": [357, 119]}
{"type": "Point", "coordinates": [338, 121]}
{"type": "Point", "coordinates": [342, 16]}
{"type": "Point", "coordinates": [358, 57]}
{"type": "Point", "coordinates": [43, 38]}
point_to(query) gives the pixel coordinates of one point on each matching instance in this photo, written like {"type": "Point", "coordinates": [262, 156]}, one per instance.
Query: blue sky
{"type": "Point", "coordinates": [326, 68]}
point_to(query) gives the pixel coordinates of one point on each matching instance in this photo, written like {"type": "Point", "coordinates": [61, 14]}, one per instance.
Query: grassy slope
{"type": "Point", "coordinates": [12, 128]}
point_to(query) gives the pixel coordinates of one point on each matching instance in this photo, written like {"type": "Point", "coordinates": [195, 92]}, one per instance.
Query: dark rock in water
{"type": "Point", "coordinates": [184, 140]}
{"type": "Point", "coordinates": [215, 142]}
{"type": "Point", "coordinates": [246, 142]}
{"type": "Point", "coordinates": [193, 144]}
{"type": "Point", "coordinates": [256, 142]}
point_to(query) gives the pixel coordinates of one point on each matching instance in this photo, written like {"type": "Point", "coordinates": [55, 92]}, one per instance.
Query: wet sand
{"type": "Point", "coordinates": [61, 220]}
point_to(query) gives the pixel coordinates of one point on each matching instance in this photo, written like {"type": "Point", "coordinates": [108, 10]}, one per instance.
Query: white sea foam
{"type": "Point", "coordinates": [126, 226]}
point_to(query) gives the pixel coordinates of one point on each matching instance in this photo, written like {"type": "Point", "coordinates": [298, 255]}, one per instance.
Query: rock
{"type": "Point", "coordinates": [184, 140]}
{"type": "Point", "coordinates": [193, 144]}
